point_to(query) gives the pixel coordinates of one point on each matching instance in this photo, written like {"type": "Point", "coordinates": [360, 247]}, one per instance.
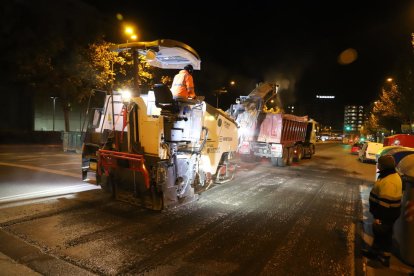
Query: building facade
{"type": "Point", "coordinates": [354, 117]}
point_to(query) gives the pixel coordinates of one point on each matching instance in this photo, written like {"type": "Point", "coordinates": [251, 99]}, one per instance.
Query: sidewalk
{"type": "Point", "coordinates": [373, 267]}
{"type": "Point", "coordinates": [21, 258]}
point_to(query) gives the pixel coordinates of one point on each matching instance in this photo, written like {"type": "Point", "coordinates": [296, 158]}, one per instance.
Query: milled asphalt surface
{"type": "Point", "coordinates": [300, 220]}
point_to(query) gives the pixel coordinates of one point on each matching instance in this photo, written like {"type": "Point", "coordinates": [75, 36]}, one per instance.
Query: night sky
{"type": "Point", "coordinates": [293, 43]}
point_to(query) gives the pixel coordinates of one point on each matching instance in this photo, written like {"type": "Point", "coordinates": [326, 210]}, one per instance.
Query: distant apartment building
{"type": "Point", "coordinates": [354, 117]}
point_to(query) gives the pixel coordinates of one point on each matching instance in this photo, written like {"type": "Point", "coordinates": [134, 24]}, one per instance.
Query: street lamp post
{"type": "Point", "coordinates": [130, 32]}
{"type": "Point", "coordinates": [222, 90]}
{"type": "Point", "coordinates": [54, 110]}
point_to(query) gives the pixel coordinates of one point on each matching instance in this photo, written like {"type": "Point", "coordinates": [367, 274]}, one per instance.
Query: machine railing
{"type": "Point", "coordinates": [108, 159]}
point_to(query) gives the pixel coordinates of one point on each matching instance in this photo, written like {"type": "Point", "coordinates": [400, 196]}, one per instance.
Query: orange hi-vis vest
{"type": "Point", "coordinates": [183, 85]}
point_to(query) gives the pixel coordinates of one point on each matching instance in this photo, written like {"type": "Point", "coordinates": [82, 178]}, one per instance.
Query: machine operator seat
{"type": "Point", "coordinates": [164, 99]}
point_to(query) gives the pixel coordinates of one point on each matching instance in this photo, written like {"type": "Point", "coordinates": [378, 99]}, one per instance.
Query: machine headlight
{"type": "Point", "coordinates": [126, 95]}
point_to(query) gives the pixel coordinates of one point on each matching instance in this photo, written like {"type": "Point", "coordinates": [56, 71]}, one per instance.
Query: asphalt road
{"type": "Point", "coordinates": [297, 220]}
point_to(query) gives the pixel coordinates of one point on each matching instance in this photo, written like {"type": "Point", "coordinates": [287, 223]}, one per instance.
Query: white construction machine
{"type": "Point", "coordinates": [153, 150]}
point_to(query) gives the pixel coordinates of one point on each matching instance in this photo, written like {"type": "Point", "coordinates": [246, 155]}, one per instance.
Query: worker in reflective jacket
{"type": "Point", "coordinates": [183, 84]}
{"type": "Point", "coordinates": [385, 206]}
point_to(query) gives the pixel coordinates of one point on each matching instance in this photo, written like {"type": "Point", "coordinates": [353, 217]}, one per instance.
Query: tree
{"type": "Point", "coordinates": [123, 72]}
{"type": "Point", "coordinates": [53, 53]}
{"type": "Point", "coordinates": [44, 45]}
{"type": "Point", "coordinates": [405, 81]}
{"type": "Point", "coordinates": [96, 68]}
{"type": "Point", "coordinates": [395, 105]}
{"type": "Point", "coordinates": [385, 111]}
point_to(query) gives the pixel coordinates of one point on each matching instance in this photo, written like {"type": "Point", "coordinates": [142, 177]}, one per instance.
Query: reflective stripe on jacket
{"type": "Point", "coordinates": [183, 85]}
{"type": "Point", "coordinates": [385, 198]}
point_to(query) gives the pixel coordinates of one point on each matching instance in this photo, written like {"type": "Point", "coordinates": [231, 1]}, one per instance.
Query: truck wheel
{"type": "Point", "coordinates": [283, 161]}
{"type": "Point", "coordinates": [299, 153]}
{"type": "Point", "coordinates": [290, 156]}
{"type": "Point", "coordinates": [310, 153]}
{"type": "Point", "coordinates": [226, 170]}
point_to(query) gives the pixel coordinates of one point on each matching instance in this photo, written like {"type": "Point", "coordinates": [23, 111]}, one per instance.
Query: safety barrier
{"type": "Point", "coordinates": [72, 141]}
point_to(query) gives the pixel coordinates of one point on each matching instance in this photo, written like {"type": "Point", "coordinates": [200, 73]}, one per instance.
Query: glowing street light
{"type": "Point", "coordinates": [130, 33]}
{"type": "Point", "coordinates": [389, 79]}
{"type": "Point", "coordinates": [129, 30]}
{"type": "Point", "coordinates": [232, 83]}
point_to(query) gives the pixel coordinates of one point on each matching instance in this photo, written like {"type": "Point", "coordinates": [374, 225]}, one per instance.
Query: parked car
{"type": "Point", "coordinates": [356, 148]}
{"type": "Point", "coordinates": [368, 151]}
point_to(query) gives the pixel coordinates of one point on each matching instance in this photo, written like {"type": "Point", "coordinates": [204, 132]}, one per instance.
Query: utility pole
{"type": "Point", "coordinates": [136, 70]}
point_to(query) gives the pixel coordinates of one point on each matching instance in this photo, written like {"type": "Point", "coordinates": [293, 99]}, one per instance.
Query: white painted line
{"type": "Point", "coordinates": [64, 164]}
{"type": "Point", "coordinates": [62, 190]}
{"type": "Point", "coordinates": [78, 176]}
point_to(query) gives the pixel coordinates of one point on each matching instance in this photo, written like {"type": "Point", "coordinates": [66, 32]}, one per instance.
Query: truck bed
{"type": "Point", "coordinates": [282, 129]}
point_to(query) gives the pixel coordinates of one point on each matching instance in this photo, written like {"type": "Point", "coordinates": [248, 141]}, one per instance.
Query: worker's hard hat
{"type": "Point", "coordinates": [189, 68]}
{"type": "Point", "coordinates": [386, 162]}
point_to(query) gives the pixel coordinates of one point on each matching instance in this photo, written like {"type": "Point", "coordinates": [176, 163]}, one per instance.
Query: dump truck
{"type": "Point", "coordinates": [151, 149]}
{"type": "Point", "coordinates": [406, 140]}
{"type": "Point", "coordinates": [266, 131]}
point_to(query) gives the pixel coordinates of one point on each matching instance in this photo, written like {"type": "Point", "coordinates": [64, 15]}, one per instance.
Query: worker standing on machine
{"type": "Point", "coordinates": [183, 84]}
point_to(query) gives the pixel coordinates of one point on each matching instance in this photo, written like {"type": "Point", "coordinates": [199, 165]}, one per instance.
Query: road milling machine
{"type": "Point", "coordinates": [153, 150]}
{"type": "Point", "coordinates": [266, 131]}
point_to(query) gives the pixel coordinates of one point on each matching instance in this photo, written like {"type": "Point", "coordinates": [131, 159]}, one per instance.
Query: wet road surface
{"type": "Point", "coordinates": [297, 220]}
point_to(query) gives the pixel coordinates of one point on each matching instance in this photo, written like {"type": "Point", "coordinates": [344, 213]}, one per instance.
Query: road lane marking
{"type": "Point", "coordinates": [66, 189]}
{"type": "Point", "coordinates": [78, 176]}
{"type": "Point", "coordinates": [64, 164]}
